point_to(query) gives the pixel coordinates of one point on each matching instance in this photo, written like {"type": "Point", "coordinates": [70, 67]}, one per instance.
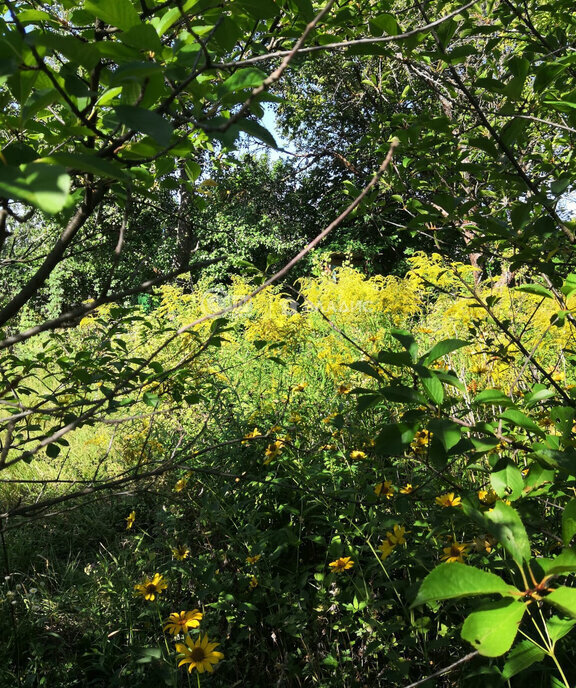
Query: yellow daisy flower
{"type": "Point", "coordinates": [199, 654]}
{"type": "Point", "coordinates": [180, 622]}
{"type": "Point", "coordinates": [448, 500]}
{"type": "Point", "coordinates": [253, 583]}
{"type": "Point", "coordinates": [150, 588]}
{"type": "Point", "coordinates": [407, 489]}
{"type": "Point", "coordinates": [254, 559]}
{"type": "Point", "coordinates": [454, 552]}
{"type": "Point", "coordinates": [384, 489]}
{"type": "Point", "coordinates": [180, 552]}
{"type": "Point", "coordinates": [341, 564]}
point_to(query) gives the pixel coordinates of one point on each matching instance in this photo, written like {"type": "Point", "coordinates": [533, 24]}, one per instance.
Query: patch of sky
{"type": "Point", "coordinates": [566, 206]}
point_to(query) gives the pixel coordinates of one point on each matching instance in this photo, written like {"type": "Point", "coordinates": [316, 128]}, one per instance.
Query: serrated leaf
{"type": "Point", "coordinates": [506, 526]}
{"type": "Point", "coordinates": [521, 657]}
{"type": "Point", "coordinates": [558, 628]}
{"type": "Point", "coordinates": [119, 13]}
{"type": "Point", "coordinates": [451, 580]}
{"type": "Point", "coordinates": [492, 630]}
{"type": "Point", "coordinates": [563, 598]}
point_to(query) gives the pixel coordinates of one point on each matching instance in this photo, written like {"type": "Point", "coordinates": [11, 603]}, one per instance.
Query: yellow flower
{"type": "Point", "coordinates": [385, 489]}
{"type": "Point", "coordinates": [397, 537]}
{"type": "Point", "coordinates": [448, 500]}
{"type": "Point", "coordinates": [487, 496]}
{"type": "Point", "coordinates": [328, 447]}
{"type": "Point", "coordinates": [420, 442]}
{"type": "Point", "coordinates": [251, 435]}
{"type": "Point", "coordinates": [357, 454]}
{"type": "Point", "coordinates": [198, 654]}
{"type": "Point", "coordinates": [130, 520]}
{"type": "Point", "coordinates": [150, 588]}
{"type": "Point", "coordinates": [386, 549]}
{"type": "Point", "coordinates": [180, 552]}
{"type": "Point", "coordinates": [180, 485]}
{"type": "Point", "coordinates": [272, 451]}
{"type": "Point", "coordinates": [329, 418]}
{"type": "Point", "coordinates": [341, 564]}
{"type": "Point", "coordinates": [454, 552]}
{"type": "Point", "coordinates": [254, 559]}
{"type": "Point", "coordinates": [407, 489]}
{"type": "Point", "coordinates": [253, 582]}
{"type": "Point", "coordinates": [180, 622]}
{"type": "Point", "coordinates": [343, 389]}
{"type": "Point", "coordinates": [301, 387]}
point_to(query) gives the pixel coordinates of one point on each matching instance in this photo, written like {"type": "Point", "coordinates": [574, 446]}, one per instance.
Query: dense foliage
{"type": "Point", "coordinates": [224, 463]}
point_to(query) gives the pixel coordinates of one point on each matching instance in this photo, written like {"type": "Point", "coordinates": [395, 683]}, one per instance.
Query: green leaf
{"type": "Point", "coordinates": [142, 37]}
{"type": "Point", "coordinates": [402, 394]}
{"type": "Point", "coordinates": [384, 24]}
{"type": "Point", "coordinates": [446, 431]}
{"type": "Point", "coordinates": [147, 122]}
{"type": "Point", "coordinates": [256, 130]}
{"type": "Point", "coordinates": [260, 9]}
{"type": "Point", "coordinates": [407, 340]}
{"type": "Point", "coordinates": [521, 657]}
{"type": "Point", "coordinates": [87, 163]}
{"type": "Point", "coordinates": [441, 349]}
{"type": "Point", "coordinates": [522, 420]}
{"type": "Point", "coordinates": [432, 385]}
{"type": "Point", "coordinates": [506, 480]}
{"type": "Point", "coordinates": [119, 13]}
{"type": "Point", "coordinates": [569, 522]}
{"type": "Point", "coordinates": [536, 289]}
{"type": "Point", "coordinates": [45, 186]}
{"type": "Point", "coordinates": [249, 77]}
{"type": "Point", "coordinates": [504, 523]}
{"type": "Point", "coordinates": [563, 563]}
{"type": "Point", "coordinates": [493, 396]}
{"type": "Point", "coordinates": [394, 438]}
{"type": "Point", "coordinates": [492, 630]}
{"type": "Point", "coordinates": [558, 628]}
{"type": "Point", "coordinates": [569, 286]}
{"type": "Point", "coordinates": [451, 580]}
{"type": "Point", "coordinates": [564, 599]}
{"type": "Point", "coordinates": [364, 367]}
